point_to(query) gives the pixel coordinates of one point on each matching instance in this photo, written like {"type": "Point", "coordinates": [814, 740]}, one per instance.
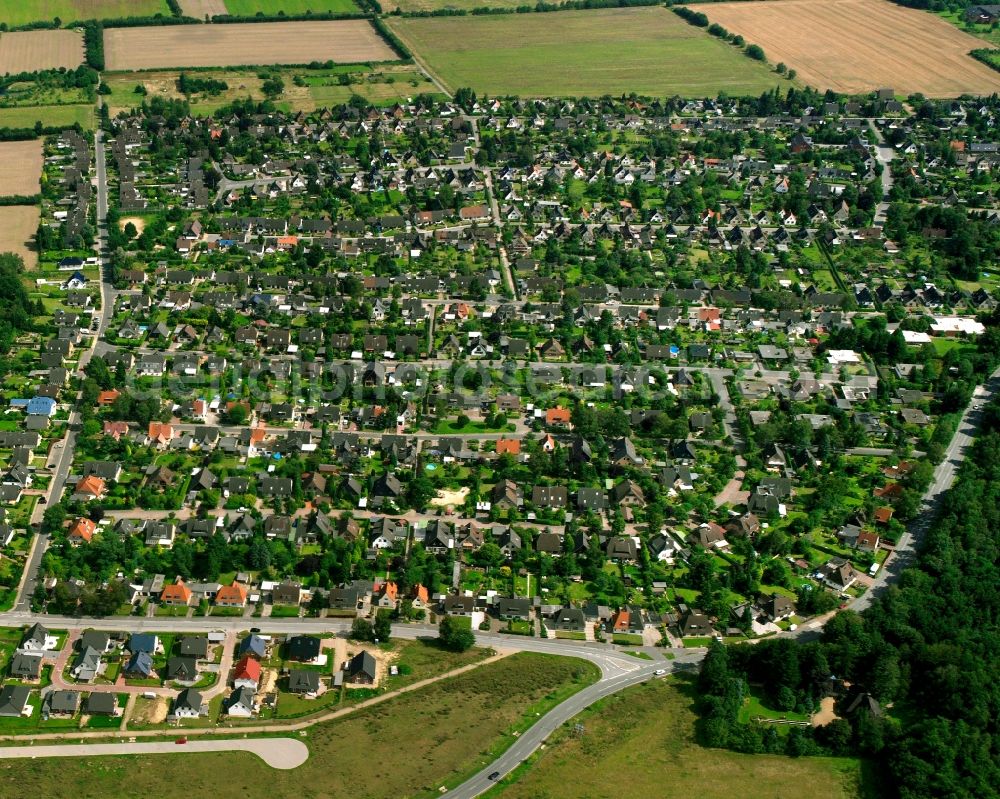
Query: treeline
{"type": "Point", "coordinates": [394, 41]}
{"type": "Point", "coordinates": [696, 18]}
{"type": "Point", "coordinates": [80, 78]}
{"type": "Point", "coordinates": [923, 663]}
{"type": "Point", "coordinates": [537, 8]}
{"type": "Point", "coordinates": [16, 308]}
{"type": "Point", "coordinates": [93, 45]}
{"type": "Point", "coordinates": [21, 199]}
{"type": "Point", "coordinates": [988, 56]}
{"type": "Point", "coordinates": [281, 16]}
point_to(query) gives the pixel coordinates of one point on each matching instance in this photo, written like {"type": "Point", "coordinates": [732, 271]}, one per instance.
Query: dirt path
{"type": "Point", "coordinates": [826, 712]}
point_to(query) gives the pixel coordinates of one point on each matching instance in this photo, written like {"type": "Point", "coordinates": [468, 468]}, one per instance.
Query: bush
{"type": "Point", "coordinates": [756, 52]}
{"type": "Point", "coordinates": [455, 637]}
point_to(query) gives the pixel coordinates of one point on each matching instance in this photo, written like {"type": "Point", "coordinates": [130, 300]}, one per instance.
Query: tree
{"type": "Point", "coordinates": [382, 629]}
{"type": "Point", "coordinates": [454, 636]}
{"type": "Point", "coordinates": [362, 630]}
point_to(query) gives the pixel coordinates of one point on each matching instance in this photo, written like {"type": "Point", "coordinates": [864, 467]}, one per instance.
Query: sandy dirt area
{"type": "Point", "coordinates": [445, 498]}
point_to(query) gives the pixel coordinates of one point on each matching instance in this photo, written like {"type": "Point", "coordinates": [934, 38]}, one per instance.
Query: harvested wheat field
{"type": "Point", "coordinates": [856, 46]}
{"type": "Point", "coordinates": [199, 9]}
{"type": "Point", "coordinates": [342, 41]}
{"type": "Point", "coordinates": [18, 224]}
{"type": "Point", "coordinates": [31, 51]}
{"type": "Point", "coordinates": [22, 168]}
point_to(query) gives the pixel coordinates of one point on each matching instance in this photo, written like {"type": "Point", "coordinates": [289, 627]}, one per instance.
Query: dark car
{"type": "Point", "coordinates": [494, 776]}
{"type": "Point", "coordinates": [255, 629]}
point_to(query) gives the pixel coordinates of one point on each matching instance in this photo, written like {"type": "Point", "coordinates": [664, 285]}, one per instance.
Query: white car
{"type": "Point", "coordinates": [659, 672]}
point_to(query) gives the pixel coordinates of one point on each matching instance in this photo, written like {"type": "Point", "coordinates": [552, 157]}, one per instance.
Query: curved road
{"type": "Point", "coordinates": [280, 753]}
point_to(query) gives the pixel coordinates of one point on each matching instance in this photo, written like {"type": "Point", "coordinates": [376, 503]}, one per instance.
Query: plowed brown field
{"type": "Point", "coordinates": [855, 46]}
{"type": "Point", "coordinates": [342, 41]}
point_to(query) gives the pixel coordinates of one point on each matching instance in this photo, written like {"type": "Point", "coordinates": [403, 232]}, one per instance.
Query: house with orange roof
{"type": "Point", "coordinates": [82, 531]}
{"type": "Point", "coordinates": [420, 596]}
{"type": "Point", "coordinates": [108, 397]}
{"type": "Point", "coordinates": [883, 514]}
{"type": "Point", "coordinates": [388, 594]}
{"type": "Point", "coordinates": [287, 242]}
{"type": "Point", "coordinates": [548, 443]}
{"type": "Point", "coordinates": [176, 593]}
{"type": "Point", "coordinates": [232, 596]}
{"type": "Point", "coordinates": [868, 541]}
{"type": "Point", "coordinates": [620, 621]}
{"type": "Point", "coordinates": [509, 446]}
{"type": "Point", "coordinates": [258, 434]}
{"type": "Point", "coordinates": [160, 433]}
{"type": "Point", "coordinates": [247, 673]}
{"type": "Point", "coordinates": [557, 417]}
{"type": "Point", "coordinates": [90, 487]}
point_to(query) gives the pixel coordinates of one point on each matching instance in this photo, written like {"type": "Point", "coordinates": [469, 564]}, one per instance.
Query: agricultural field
{"type": "Point", "coordinates": [25, 11]}
{"type": "Point", "coordinates": [458, 719]}
{"type": "Point", "coordinates": [22, 168]}
{"type": "Point", "coordinates": [343, 41]}
{"type": "Point", "coordinates": [199, 9]}
{"type": "Point", "coordinates": [247, 8]}
{"type": "Point", "coordinates": [610, 51]}
{"type": "Point", "coordinates": [55, 116]}
{"type": "Point", "coordinates": [305, 90]}
{"type": "Point", "coordinates": [656, 720]}
{"type": "Point", "coordinates": [18, 224]}
{"type": "Point", "coordinates": [865, 44]}
{"type": "Point", "coordinates": [31, 51]}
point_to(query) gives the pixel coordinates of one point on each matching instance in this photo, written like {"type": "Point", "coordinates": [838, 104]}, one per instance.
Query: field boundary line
{"type": "Point", "coordinates": [423, 65]}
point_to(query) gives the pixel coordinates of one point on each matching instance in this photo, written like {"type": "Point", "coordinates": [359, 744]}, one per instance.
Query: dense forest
{"type": "Point", "coordinates": [917, 675]}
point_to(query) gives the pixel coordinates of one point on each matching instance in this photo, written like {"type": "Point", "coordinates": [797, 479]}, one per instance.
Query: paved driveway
{"type": "Point", "coordinates": [280, 753]}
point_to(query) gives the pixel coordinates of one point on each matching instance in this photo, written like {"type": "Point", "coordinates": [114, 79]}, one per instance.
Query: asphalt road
{"type": "Point", "coordinates": [279, 753]}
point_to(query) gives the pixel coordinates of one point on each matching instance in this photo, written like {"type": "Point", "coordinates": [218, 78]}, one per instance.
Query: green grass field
{"type": "Point", "coordinates": [459, 5]}
{"type": "Point", "coordinates": [50, 115]}
{"type": "Point", "coordinates": [248, 8]}
{"type": "Point", "coordinates": [641, 743]}
{"type": "Point", "coordinates": [25, 11]}
{"type": "Point", "coordinates": [364, 754]}
{"type": "Point", "coordinates": [576, 53]}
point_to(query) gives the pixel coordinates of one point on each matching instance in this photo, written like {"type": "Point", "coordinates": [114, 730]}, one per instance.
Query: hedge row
{"type": "Point", "coordinates": [754, 51]}
{"type": "Point", "coordinates": [987, 56]}
{"type": "Point", "coordinates": [93, 45]}
{"type": "Point", "coordinates": [394, 41]}
{"type": "Point", "coordinates": [537, 8]}
{"type": "Point", "coordinates": [325, 16]}
{"type": "Point", "coordinates": [25, 134]}
{"type": "Point", "coordinates": [21, 199]}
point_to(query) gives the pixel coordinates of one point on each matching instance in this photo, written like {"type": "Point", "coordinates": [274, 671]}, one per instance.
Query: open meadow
{"type": "Point", "coordinates": [53, 116]}
{"type": "Point", "coordinates": [458, 5]}
{"type": "Point", "coordinates": [367, 754]}
{"type": "Point", "coordinates": [30, 51]}
{"type": "Point", "coordinates": [247, 8]}
{"type": "Point", "coordinates": [640, 742]}
{"type": "Point", "coordinates": [24, 11]}
{"type": "Point", "coordinates": [610, 51]}
{"type": "Point", "coordinates": [856, 46]}
{"type": "Point", "coordinates": [22, 168]}
{"type": "Point", "coordinates": [18, 224]}
{"type": "Point", "coordinates": [343, 41]}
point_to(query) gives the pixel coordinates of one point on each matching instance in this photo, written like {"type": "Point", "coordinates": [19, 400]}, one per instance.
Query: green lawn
{"type": "Point", "coordinates": [610, 51]}
{"type": "Point", "coordinates": [754, 708]}
{"type": "Point", "coordinates": [56, 116]}
{"type": "Point", "coordinates": [249, 8]}
{"type": "Point", "coordinates": [640, 742]}
{"type": "Point", "coordinates": [25, 11]}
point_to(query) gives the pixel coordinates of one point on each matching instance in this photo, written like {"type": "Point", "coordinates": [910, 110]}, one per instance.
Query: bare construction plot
{"type": "Point", "coordinates": [31, 51]}
{"type": "Point", "coordinates": [18, 224]}
{"type": "Point", "coordinates": [21, 168]}
{"type": "Point", "coordinates": [342, 41]}
{"type": "Point", "coordinates": [855, 46]}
